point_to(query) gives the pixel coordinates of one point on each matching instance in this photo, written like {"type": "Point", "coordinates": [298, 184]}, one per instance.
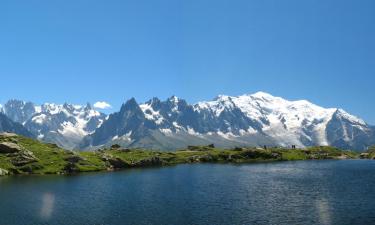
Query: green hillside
{"type": "Point", "coordinates": [21, 155]}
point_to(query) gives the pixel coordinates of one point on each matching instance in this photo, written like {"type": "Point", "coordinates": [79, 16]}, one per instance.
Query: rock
{"type": "Point", "coordinates": [30, 168]}
{"type": "Point", "coordinates": [70, 168]}
{"type": "Point", "coordinates": [74, 158]}
{"type": "Point", "coordinates": [114, 162]}
{"type": "Point", "coordinates": [6, 134]}
{"type": "Point", "coordinates": [3, 172]}
{"type": "Point", "coordinates": [364, 155]}
{"type": "Point", "coordinates": [52, 145]}
{"type": "Point", "coordinates": [23, 158]}
{"type": "Point", "coordinates": [115, 146]}
{"type": "Point", "coordinates": [206, 158]}
{"type": "Point", "coordinates": [153, 161]}
{"type": "Point", "coordinates": [9, 147]}
{"type": "Point", "coordinates": [342, 157]}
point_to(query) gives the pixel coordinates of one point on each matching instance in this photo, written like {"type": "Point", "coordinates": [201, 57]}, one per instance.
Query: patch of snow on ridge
{"type": "Point", "coordinates": [285, 118]}
{"type": "Point", "coordinates": [227, 135]}
{"type": "Point", "coordinates": [151, 114]}
{"type": "Point", "coordinates": [125, 137]}
{"type": "Point", "coordinates": [40, 119]}
{"type": "Point", "coordinates": [248, 131]}
{"type": "Point", "coordinates": [175, 124]}
{"type": "Point", "coordinates": [166, 131]}
{"type": "Point", "coordinates": [50, 108]}
{"type": "Point", "coordinates": [217, 106]}
{"type": "Point", "coordinates": [191, 131]}
{"type": "Point", "coordinates": [350, 117]}
{"type": "Point", "coordinates": [72, 130]}
{"type": "Point", "coordinates": [38, 109]}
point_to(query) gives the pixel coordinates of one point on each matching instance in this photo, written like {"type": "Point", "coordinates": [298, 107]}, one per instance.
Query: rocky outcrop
{"type": "Point", "coordinates": [74, 158]}
{"type": "Point", "coordinates": [153, 161]}
{"type": "Point", "coordinates": [24, 157]}
{"type": "Point", "coordinates": [7, 134]}
{"type": "Point", "coordinates": [8, 125]}
{"type": "Point", "coordinates": [9, 147]}
{"type": "Point", "coordinates": [114, 162]}
{"type": "Point", "coordinates": [3, 172]}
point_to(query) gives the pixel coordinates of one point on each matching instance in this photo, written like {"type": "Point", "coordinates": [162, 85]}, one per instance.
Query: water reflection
{"type": "Point", "coordinates": [324, 212]}
{"type": "Point", "coordinates": [48, 203]}
{"type": "Point", "coordinates": [306, 192]}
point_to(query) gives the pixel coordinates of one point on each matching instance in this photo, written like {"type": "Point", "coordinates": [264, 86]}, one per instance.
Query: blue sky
{"type": "Point", "coordinates": [82, 51]}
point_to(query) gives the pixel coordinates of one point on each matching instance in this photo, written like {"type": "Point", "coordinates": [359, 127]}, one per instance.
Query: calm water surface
{"type": "Point", "coordinates": [305, 192]}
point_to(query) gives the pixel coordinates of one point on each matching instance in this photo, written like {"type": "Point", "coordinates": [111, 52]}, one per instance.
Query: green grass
{"type": "Point", "coordinates": [54, 160]}
{"type": "Point", "coordinates": [294, 155]}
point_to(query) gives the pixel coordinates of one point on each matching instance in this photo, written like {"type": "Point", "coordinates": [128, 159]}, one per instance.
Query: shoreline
{"type": "Point", "coordinates": [24, 156]}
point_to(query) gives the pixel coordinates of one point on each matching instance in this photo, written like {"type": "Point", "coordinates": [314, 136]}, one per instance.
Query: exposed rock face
{"type": "Point", "coordinates": [64, 125]}
{"type": "Point", "coordinates": [19, 111]}
{"type": "Point", "coordinates": [74, 158]}
{"type": "Point", "coordinates": [228, 121]}
{"type": "Point", "coordinates": [249, 120]}
{"type": "Point", "coordinates": [9, 147]}
{"type": "Point", "coordinates": [24, 157]}
{"type": "Point", "coordinates": [6, 134]}
{"type": "Point", "coordinates": [3, 172]}
{"type": "Point", "coordinates": [153, 161]}
{"type": "Point", "coordinates": [7, 125]}
{"type": "Point", "coordinates": [114, 162]}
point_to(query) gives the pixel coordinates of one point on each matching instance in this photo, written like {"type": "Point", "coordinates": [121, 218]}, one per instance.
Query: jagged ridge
{"type": "Point", "coordinates": [257, 119]}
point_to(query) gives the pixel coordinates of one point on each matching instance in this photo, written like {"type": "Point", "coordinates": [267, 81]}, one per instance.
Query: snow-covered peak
{"type": "Point", "coordinates": [261, 94]}
{"type": "Point", "coordinates": [65, 123]}
{"type": "Point", "coordinates": [150, 113]}
{"type": "Point", "coordinates": [250, 119]}
{"type": "Point", "coordinates": [262, 104]}
{"type": "Point", "coordinates": [50, 108]}
{"type": "Point", "coordinates": [174, 99]}
{"type": "Point", "coordinates": [222, 98]}
{"type": "Point", "coordinates": [278, 116]}
{"type": "Point", "coordinates": [342, 113]}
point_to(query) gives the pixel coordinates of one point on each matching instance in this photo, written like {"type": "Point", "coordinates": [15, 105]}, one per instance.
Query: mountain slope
{"type": "Point", "coordinates": [64, 125]}
{"type": "Point", "coordinates": [7, 125]}
{"type": "Point", "coordinates": [257, 119]}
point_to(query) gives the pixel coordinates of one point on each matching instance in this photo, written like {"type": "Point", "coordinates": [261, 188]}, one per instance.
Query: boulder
{"type": "Point", "coordinates": [9, 147]}
{"type": "Point", "coordinates": [206, 158]}
{"type": "Point", "coordinates": [153, 161]}
{"type": "Point", "coordinates": [23, 158]}
{"type": "Point", "coordinates": [74, 158]}
{"type": "Point", "coordinates": [3, 172]}
{"type": "Point", "coordinates": [6, 134]}
{"type": "Point", "coordinates": [364, 155]}
{"type": "Point", "coordinates": [114, 162]}
{"type": "Point", "coordinates": [194, 158]}
{"type": "Point", "coordinates": [115, 146]}
{"type": "Point", "coordinates": [71, 168]}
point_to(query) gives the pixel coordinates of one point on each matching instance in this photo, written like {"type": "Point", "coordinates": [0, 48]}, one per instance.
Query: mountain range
{"type": "Point", "coordinates": [226, 121]}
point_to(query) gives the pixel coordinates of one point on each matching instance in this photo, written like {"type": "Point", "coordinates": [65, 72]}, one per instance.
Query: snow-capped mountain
{"type": "Point", "coordinates": [64, 125]}
{"type": "Point", "coordinates": [256, 119]}
{"type": "Point", "coordinates": [7, 125]}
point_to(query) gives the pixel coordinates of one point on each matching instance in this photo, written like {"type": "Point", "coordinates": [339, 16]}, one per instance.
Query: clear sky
{"type": "Point", "coordinates": [82, 51]}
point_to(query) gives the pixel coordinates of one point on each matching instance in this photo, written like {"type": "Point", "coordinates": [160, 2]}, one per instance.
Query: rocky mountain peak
{"type": "Point", "coordinates": [251, 119]}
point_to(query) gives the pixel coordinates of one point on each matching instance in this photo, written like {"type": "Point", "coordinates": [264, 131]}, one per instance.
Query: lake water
{"type": "Point", "coordinates": [304, 192]}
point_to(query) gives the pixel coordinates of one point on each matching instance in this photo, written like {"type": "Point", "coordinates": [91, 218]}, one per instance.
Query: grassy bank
{"type": "Point", "coordinates": [29, 156]}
